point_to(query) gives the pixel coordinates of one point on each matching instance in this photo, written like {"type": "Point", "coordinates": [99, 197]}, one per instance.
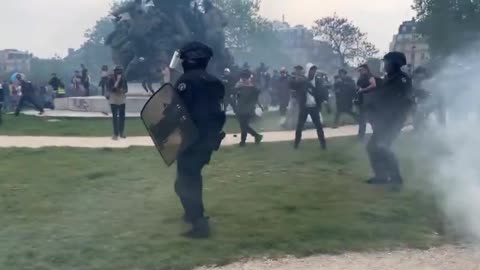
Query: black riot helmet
{"type": "Point", "coordinates": [394, 61]}
{"type": "Point", "coordinates": [195, 55]}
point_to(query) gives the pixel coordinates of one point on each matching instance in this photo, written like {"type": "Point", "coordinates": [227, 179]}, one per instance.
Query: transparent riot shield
{"type": "Point", "coordinates": [168, 123]}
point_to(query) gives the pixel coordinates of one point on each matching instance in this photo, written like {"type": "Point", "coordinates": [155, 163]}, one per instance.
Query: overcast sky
{"type": "Point", "coordinates": [48, 27]}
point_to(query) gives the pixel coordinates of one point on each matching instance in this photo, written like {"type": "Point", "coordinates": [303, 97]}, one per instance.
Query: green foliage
{"type": "Point", "coordinates": [449, 24]}
{"type": "Point", "coordinates": [346, 39]}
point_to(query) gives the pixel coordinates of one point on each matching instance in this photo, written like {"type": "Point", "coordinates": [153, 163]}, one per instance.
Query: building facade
{"type": "Point", "coordinates": [12, 60]}
{"type": "Point", "coordinates": [300, 44]}
{"type": "Point", "coordinates": [412, 44]}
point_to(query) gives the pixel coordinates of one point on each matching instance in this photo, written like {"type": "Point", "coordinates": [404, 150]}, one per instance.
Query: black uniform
{"type": "Point", "coordinates": [345, 93]}
{"type": "Point", "coordinates": [28, 96]}
{"type": "Point", "coordinates": [302, 91]}
{"type": "Point", "coordinates": [247, 99]}
{"type": "Point", "coordinates": [203, 96]}
{"type": "Point", "coordinates": [389, 108]}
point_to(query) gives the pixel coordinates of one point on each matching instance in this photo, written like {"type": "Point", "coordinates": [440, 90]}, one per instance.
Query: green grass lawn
{"type": "Point", "coordinates": [36, 126]}
{"type": "Point", "coordinates": [116, 210]}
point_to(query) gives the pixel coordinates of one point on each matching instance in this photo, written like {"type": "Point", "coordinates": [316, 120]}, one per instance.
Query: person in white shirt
{"type": "Point", "coordinates": [306, 92]}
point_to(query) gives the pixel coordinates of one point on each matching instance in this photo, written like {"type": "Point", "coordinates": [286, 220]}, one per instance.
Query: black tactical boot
{"type": "Point", "coordinates": [200, 229]}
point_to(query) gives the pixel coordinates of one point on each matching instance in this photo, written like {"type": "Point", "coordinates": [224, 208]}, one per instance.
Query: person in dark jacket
{"type": "Point", "coordinates": [117, 88]}
{"type": "Point", "coordinates": [307, 92]}
{"type": "Point", "coordinates": [85, 80]}
{"type": "Point", "coordinates": [388, 112]}
{"type": "Point", "coordinates": [283, 91]}
{"type": "Point", "coordinates": [229, 84]}
{"type": "Point", "coordinates": [104, 76]}
{"type": "Point", "coordinates": [203, 97]}
{"type": "Point", "coordinates": [344, 88]}
{"type": "Point", "coordinates": [247, 98]}
{"type": "Point", "coordinates": [28, 96]}
{"type": "Point", "coordinates": [57, 85]}
{"type": "Point", "coordinates": [365, 83]}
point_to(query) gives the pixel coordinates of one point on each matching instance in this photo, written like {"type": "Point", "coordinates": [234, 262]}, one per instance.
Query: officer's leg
{"type": "Point", "coordinates": [338, 113]}
{"type": "Point", "coordinates": [391, 161]}
{"type": "Point", "coordinates": [188, 186]}
{"type": "Point", "coordinates": [376, 157]}
{"type": "Point", "coordinates": [20, 105]}
{"type": "Point", "coordinates": [302, 118]}
{"type": "Point", "coordinates": [315, 115]}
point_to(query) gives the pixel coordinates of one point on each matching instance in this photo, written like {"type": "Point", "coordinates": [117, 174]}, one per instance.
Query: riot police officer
{"type": "Point", "coordinates": [389, 108]}
{"type": "Point", "coordinates": [203, 96]}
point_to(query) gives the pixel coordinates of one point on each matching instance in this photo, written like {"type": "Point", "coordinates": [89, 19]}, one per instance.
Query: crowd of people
{"type": "Point", "coordinates": [385, 103]}
{"type": "Point", "coordinates": [299, 95]}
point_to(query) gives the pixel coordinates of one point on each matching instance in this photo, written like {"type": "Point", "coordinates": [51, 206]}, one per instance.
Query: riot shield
{"type": "Point", "coordinates": [168, 123]}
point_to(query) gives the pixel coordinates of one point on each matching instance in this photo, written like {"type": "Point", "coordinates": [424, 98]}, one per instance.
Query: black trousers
{"type": "Point", "coordinates": [27, 99]}
{"type": "Point", "coordinates": [382, 159]}
{"type": "Point", "coordinates": [362, 122]}
{"type": "Point", "coordinates": [244, 121]}
{"type": "Point", "coordinates": [189, 182]}
{"type": "Point", "coordinates": [118, 117]}
{"type": "Point", "coordinates": [284, 101]}
{"type": "Point", "coordinates": [302, 118]}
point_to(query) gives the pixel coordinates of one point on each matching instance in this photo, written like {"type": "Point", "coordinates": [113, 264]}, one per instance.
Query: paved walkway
{"type": "Point", "coordinates": [444, 258]}
{"type": "Point", "coordinates": [107, 142]}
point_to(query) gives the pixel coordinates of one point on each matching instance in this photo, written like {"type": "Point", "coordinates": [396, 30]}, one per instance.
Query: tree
{"type": "Point", "coordinates": [448, 24]}
{"type": "Point", "coordinates": [346, 39]}
{"type": "Point", "coordinates": [93, 52]}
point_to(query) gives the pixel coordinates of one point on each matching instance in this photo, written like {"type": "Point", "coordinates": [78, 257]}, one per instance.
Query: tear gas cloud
{"type": "Point", "coordinates": [456, 178]}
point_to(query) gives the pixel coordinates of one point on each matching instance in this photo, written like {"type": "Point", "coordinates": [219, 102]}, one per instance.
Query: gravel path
{"type": "Point", "coordinates": [103, 142]}
{"type": "Point", "coordinates": [444, 258]}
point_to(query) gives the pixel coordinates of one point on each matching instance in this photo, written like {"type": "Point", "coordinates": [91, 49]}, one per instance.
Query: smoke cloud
{"type": "Point", "coordinates": [456, 178]}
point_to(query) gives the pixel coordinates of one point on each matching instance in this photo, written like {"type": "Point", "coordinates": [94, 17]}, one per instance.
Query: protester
{"type": "Point", "coordinates": [104, 79]}
{"type": "Point", "coordinates": [85, 79]}
{"type": "Point", "coordinates": [306, 91]}
{"type": "Point", "coordinates": [58, 86]}
{"type": "Point", "coordinates": [229, 84]}
{"type": "Point", "coordinates": [247, 98]}
{"type": "Point", "coordinates": [28, 95]}
{"type": "Point", "coordinates": [283, 91]}
{"type": "Point", "coordinates": [344, 88]}
{"type": "Point", "coordinates": [76, 83]}
{"type": "Point", "coordinates": [117, 89]}
{"type": "Point", "coordinates": [365, 83]}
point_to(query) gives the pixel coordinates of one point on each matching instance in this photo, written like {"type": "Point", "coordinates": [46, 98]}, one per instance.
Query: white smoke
{"type": "Point", "coordinates": [456, 178]}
